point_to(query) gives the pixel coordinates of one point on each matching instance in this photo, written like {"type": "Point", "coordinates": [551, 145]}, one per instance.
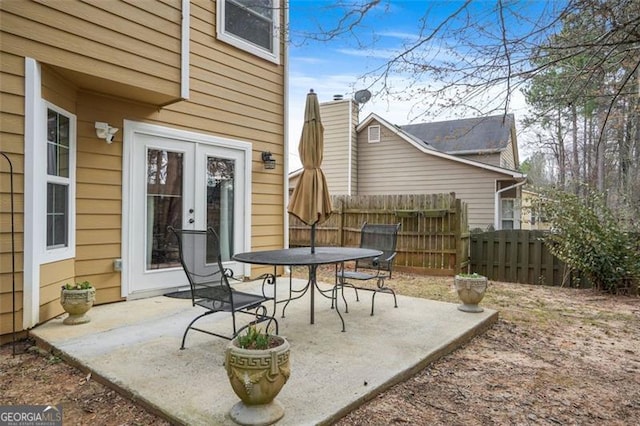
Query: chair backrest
{"type": "Point", "coordinates": [200, 257]}
{"type": "Point", "coordinates": [382, 237]}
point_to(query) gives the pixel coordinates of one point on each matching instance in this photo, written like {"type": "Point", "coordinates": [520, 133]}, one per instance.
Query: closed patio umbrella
{"type": "Point", "coordinates": [310, 201]}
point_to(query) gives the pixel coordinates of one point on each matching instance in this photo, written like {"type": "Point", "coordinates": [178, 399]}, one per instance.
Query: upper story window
{"type": "Point", "coordinates": [60, 185]}
{"type": "Point", "coordinates": [251, 25]}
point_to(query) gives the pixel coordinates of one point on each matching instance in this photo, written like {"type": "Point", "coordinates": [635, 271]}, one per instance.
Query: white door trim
{"type": "Point", "coordinates": [131, 129]}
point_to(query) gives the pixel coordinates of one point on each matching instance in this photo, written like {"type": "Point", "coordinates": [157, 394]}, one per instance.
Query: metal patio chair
{"type": "Point", "coordinates": [209, 282]}
{"type": "Point", "coordinates": [381, 237]}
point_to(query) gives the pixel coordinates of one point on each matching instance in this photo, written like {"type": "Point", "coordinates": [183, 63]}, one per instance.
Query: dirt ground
{"type": "Point", "coordinates": [556, 356]}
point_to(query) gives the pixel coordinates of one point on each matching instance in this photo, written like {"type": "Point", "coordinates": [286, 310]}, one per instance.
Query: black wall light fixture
{"type": "Point", "coordinates": [268, 160]}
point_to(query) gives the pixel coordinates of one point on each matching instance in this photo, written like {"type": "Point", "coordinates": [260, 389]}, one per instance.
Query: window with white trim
{"type": "Point", "coordinates": [373, 134]}
{"type": "Point", "coordinates": [508, 213]}
{"type": "Point", "coordinates": [251, 25]}
{"type": "Point", "coordinates": [60, 183]}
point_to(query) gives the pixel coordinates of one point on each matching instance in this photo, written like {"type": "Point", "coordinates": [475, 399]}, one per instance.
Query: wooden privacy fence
{"type": "Point", "coordinates": [518, 256]}
{"type": "Point", "coordinates": [433, 238]}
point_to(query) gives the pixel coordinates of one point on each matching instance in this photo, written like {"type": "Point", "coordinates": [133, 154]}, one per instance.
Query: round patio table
{"type": "Point", "coordinates": [303, 256]}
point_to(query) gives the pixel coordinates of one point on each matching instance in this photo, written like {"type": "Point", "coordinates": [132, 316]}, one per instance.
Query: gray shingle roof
{"type": "Point", "coordinates": [483, 134]}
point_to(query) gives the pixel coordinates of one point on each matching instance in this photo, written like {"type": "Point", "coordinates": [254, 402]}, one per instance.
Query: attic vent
{"type": "Point", "coordinates": [374, 134]}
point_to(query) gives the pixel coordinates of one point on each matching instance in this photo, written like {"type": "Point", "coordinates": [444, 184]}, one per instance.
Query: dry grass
{"type": "Point", "coordinates": [556, 356]}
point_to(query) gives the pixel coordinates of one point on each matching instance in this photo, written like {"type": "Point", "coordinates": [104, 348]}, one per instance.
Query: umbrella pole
{"type": "Point", "coordinates": [313, 238]}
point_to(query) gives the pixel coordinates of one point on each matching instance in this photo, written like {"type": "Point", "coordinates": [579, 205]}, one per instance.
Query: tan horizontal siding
{"type": "Point", "coordinates": [130, 43]}
{"type": "Point", "coordinates": [99, 251]}
{"type": "Point", "coordinates": [53, 276]}
{"type": "Point", "coordinates": [97, 236]}
{"type": "Point", "coordinates": [109, 292]}
{"type": "Point", "coordinates": [6, 303]}
{"type": "Point", "coordinates": [13, 104]}
{"type": "Point", "coordinates": [98, 221]}
{"type": "Point", "coordinates": [506, 157]}
{"type": "Point", "coordinates": [12, 143]}
{"type": "Point", "coordinates": [12, 123]}
{"type": "Point", "coordinates": [113, 177]}
{"type": "Point", "coordinates": [57, 89]}
{"type": "Point", "coordinates": [266, 220]}
{"type": "Point", "coordinates": [335, 118]}
{"type": "Point", "coordinates": [6, 279]}
{"type": "Point", "coordinates": [94, 266]}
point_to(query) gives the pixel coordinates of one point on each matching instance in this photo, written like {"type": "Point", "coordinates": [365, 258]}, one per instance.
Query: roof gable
{"type": "Point", "coordinates": [428, 149]}
{"type": "Point", "coordinates": [469, 135]}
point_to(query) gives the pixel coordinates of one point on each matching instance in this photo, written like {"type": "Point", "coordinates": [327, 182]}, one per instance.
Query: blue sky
{"type": "Point", "coordinates": [334, 67]}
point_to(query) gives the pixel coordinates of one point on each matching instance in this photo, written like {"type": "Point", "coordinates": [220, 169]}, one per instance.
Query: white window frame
{"type": "Point", "coordinates": [239, 42]}
{"type": "Point", "coordinates": [69, 251]}
{"type": "Point", "coordinates": [375, 132]}
{"type": "Point", "coordinates": [513, 219]}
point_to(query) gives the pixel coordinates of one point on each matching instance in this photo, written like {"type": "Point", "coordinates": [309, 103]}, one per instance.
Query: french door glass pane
{"type": "Point", "coordinates": [220, 193]}
{"type": "Point", "coordinates": [164, 207]}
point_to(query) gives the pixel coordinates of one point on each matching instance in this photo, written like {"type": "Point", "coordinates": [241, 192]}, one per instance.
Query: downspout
{"type": "Point", "coordinates": [184, 50]}
{"type": "Point", "coordinates": [285, 160]}
{"type": "Point", "coordinates": [349, 147]}
{"type": "Point", "coordinates": [496, 210]}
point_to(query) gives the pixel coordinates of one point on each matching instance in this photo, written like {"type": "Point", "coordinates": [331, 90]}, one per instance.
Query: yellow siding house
{"type": "Point", "coordinates": [121, 118]}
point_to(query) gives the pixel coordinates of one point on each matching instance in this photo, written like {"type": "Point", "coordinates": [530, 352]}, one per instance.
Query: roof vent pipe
{"type": "Point", "coordinates": [337, 97]}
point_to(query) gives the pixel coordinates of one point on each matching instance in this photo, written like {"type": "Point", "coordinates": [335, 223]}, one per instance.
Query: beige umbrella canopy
{"type": "Point", "coordinates": [310, 201]}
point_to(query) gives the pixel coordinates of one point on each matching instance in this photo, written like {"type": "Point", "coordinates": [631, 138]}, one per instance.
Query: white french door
{"type": "Point", "coordinates": [185, 184]}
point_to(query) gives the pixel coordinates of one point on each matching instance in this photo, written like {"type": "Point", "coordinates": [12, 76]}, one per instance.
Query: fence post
{"type": "Point", "coordinates": [458, 236]}
{"type": "Point", "coordinates": [341, 224]}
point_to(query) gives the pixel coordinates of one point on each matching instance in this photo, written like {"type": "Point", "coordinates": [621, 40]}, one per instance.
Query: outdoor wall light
{"type": "Point", "coordinates": [268, 160]}
{"type": "Point", "coordinates": [105, 131]}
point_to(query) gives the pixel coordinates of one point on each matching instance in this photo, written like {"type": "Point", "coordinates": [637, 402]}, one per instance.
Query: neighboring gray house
{"type": "Point", "coordinates": [476, 158]}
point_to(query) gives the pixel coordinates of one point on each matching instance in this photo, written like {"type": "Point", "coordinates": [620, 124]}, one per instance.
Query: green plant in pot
{"type": "Point", "coordinates": [471, 289]}
{"type": "Point", "coordinates": [76, 299]}
{"type": "Point", "coordinates": [257, 365]}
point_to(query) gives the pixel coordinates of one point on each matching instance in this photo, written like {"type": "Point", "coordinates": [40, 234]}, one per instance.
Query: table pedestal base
{"type": "Point", "coordinates": [257, 415]}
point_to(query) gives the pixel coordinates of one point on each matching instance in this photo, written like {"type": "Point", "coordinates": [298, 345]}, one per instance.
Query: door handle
{"type": "Point", "coordinates": [191, 220]}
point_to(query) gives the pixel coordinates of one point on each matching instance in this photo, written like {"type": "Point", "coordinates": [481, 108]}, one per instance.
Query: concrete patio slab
{"type": "Point", "coordinates": [134, 347]}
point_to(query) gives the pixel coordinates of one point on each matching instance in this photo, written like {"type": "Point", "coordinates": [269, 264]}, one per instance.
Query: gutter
{"type": "Point", "coordinates": [496, 201]}
{"type": "Point", "coordinates": [476, 151]}
{"type": "Point", "coordinates": [184, 50]}
{"type": "Point", "coordinates": [350, 147]}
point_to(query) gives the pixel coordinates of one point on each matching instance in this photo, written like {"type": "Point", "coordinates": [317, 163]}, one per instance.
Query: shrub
{"type": "Point", "coordinates": [85, 285]}
{"type": "Point", "coordinates": [587, 236]}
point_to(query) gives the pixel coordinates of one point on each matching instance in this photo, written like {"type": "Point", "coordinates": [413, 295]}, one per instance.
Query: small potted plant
{"type": "Point", "coordinates": [76, 299]}
{"type": "Point", "coordinates": [471, 289]}
{"type": "Point", "coordinates": [257, 365]}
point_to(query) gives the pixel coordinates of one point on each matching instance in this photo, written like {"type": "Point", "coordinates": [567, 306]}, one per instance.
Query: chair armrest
{"type": "Point", "coordinates": [229, 274]}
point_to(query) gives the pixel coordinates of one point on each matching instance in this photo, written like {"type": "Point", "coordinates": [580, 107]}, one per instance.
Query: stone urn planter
{"type": "Point", "coordinates": [471, 289]}
{"type": "Point", "coordinates": [257, 374]}
{"type": "Point", "coordinates": [76, 300]}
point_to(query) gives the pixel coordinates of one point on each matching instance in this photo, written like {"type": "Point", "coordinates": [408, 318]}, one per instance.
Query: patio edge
{"type": "Point", "coordinates": [442, 351]}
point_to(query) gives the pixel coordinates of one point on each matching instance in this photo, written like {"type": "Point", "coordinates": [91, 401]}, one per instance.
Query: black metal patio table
{"type": "Point", "coordinates": [302, 256]}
